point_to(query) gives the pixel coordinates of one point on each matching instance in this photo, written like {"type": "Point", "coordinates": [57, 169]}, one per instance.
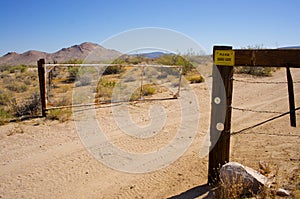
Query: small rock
{"type": "Point", "coordinates": [132, 186]}
{"type": "Point", "coordinates": [281, 192]}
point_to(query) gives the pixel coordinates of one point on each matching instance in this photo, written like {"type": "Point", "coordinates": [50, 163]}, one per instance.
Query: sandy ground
{"type": "Point", "coordinates": [47, 159]}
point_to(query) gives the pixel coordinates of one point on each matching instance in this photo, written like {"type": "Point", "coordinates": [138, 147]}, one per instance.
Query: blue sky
{"type": "Point", "coordinates": [49, 25]}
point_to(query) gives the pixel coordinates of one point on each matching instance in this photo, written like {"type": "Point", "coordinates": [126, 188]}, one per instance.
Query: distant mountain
{"type": "Point", "coordinates": [153, 55]}
{"type": "Point", "coordinates": [99, 54]}
{"type": "Point", "coordinates": [290, 47]}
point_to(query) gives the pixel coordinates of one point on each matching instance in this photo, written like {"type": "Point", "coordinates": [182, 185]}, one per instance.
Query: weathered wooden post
{"type": "Point", "coordinates": [291, 97]}
{"type": "Point", "coordinates": [221, 108]}
{"type": "Point", "coordinates": [42, 83]}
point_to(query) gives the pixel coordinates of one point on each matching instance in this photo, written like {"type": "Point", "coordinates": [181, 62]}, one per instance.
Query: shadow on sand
{"type": "Point", "coordinates": [203, 191]}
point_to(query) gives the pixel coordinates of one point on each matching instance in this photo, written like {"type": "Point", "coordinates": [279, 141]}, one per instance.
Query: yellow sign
{"type": "Point", "coordinates": [224, 57]}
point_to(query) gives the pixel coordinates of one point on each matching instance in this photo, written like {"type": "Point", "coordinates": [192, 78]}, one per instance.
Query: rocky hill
{"type": "Point", "coordinates": [81, 51]}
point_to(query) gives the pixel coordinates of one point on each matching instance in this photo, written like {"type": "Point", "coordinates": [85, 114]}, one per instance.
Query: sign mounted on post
{"type": "Point", "coordinates": [224, 57]}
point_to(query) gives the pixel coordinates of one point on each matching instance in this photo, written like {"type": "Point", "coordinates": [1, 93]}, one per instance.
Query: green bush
{"type": "Point", "coordinates": [21, 68]}
{"type": "Point", "coordinates": [4, 116]}
{"type": "Point", "coordinates": [176, 60]}
{"type": "Point", "coordinates": [113, 70]}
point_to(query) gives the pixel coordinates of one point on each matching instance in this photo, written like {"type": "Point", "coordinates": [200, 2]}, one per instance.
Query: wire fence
{"type": "Point", "coordinates": [279, 113]}
{"type": "Point", "coordinates": [263, 82]}
{"type": "Point", "coordinates": [144, 79]}
{"type": "Point", "coordinates": [264, 122]}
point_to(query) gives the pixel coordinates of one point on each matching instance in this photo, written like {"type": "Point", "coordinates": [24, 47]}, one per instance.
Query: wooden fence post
{"type": "Point", "coordinates": [221, 108]}
{"type": "Point", "coordinates": [291, 97]}
{"type": "Point", "coordinates": [42, 83]}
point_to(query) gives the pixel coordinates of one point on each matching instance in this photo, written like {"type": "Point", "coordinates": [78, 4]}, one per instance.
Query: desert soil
{"type": "Point", "coordinates": [46, 159]}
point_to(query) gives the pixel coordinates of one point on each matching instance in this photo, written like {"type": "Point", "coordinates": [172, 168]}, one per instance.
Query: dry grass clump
{"type": "Point", "coordinates": [148, 90]}
{"type": "Point", "coordinates": [61, 115]}
{"type": "Point", "coordinates": [194, 76]}
{"type": "Point", "coordinates": [195, 79]}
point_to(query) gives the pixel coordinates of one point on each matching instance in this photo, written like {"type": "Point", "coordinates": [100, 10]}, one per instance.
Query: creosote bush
{"type": "Point", "coordinates": [28, 106]}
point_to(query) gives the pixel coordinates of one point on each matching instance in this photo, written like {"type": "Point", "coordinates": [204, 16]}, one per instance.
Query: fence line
{"type": "Point", "coordinates": [257, 111]}
{"type": "Point", "coordinates": [264, 122]}
{"type": "Point", "coordinates": [122, 65]}
{"type": "Point", "coordinates": [49, 67]}
{"type": "Point", "coordinates": [262, 82]}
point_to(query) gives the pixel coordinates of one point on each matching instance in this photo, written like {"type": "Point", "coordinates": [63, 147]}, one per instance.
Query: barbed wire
{"type": "Point", "coordinates": [264, 122]}
{"type": "Point", "coordinates": [263, 82]}
{"type": "Point", "coordinates": [255, 111]}
{"type": "Point", "coordinates": [258, 111]}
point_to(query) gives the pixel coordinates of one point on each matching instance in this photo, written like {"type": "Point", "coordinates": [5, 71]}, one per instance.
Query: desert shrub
{"type": "Point", "coordinates": [74, 61]}
{"type": "Point", "coordinates": [113, 70]}
{"type": "Point", "coordinates": [176, 60]}
{"type": "Point", "coordinates": [16, 87]}
{"type": "Point", "coordinates": [7, 79]}
{"type": "Point", "coordinates": [61, 115]}
{"type": "Point", "coordinates": [135, 96]}
{"type": "Point", "coordinates": [63, 88]}
{"type": "Point", "coordinates": [21, 68]}
{"type": "Point", "coordinates": [256, 71]}
{"type": "Point", "coordinates": [5, 97]}
{"type": "Point", "coordinates": [73, 72]}
{"type": "Point", "coordinates": [63, 101]}
{"type": "Point", "coordinates": [105, 88]}
{"type": "Point", "coordinates": [4, 68]}
{"type": "Point", "coordinates": [28, 106]}
{"type": "Point", "coordinates": [195, 79]}
{"type": "Point", "coordinates": [148, 90]}
{"type": "Point", "coordinates": [4, 116]}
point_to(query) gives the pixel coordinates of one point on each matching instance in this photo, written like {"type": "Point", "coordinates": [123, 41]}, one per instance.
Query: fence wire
{"type": "Point", "coordinates": [264, 122]}
{"type": "Point", "coordinates": [258, 111]}
{"type": "Point", "coordinates": [263, 82]}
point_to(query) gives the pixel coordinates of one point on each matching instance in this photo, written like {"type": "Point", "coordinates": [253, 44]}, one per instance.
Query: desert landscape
{"type": "Point", "coordinates": [44, 158]}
